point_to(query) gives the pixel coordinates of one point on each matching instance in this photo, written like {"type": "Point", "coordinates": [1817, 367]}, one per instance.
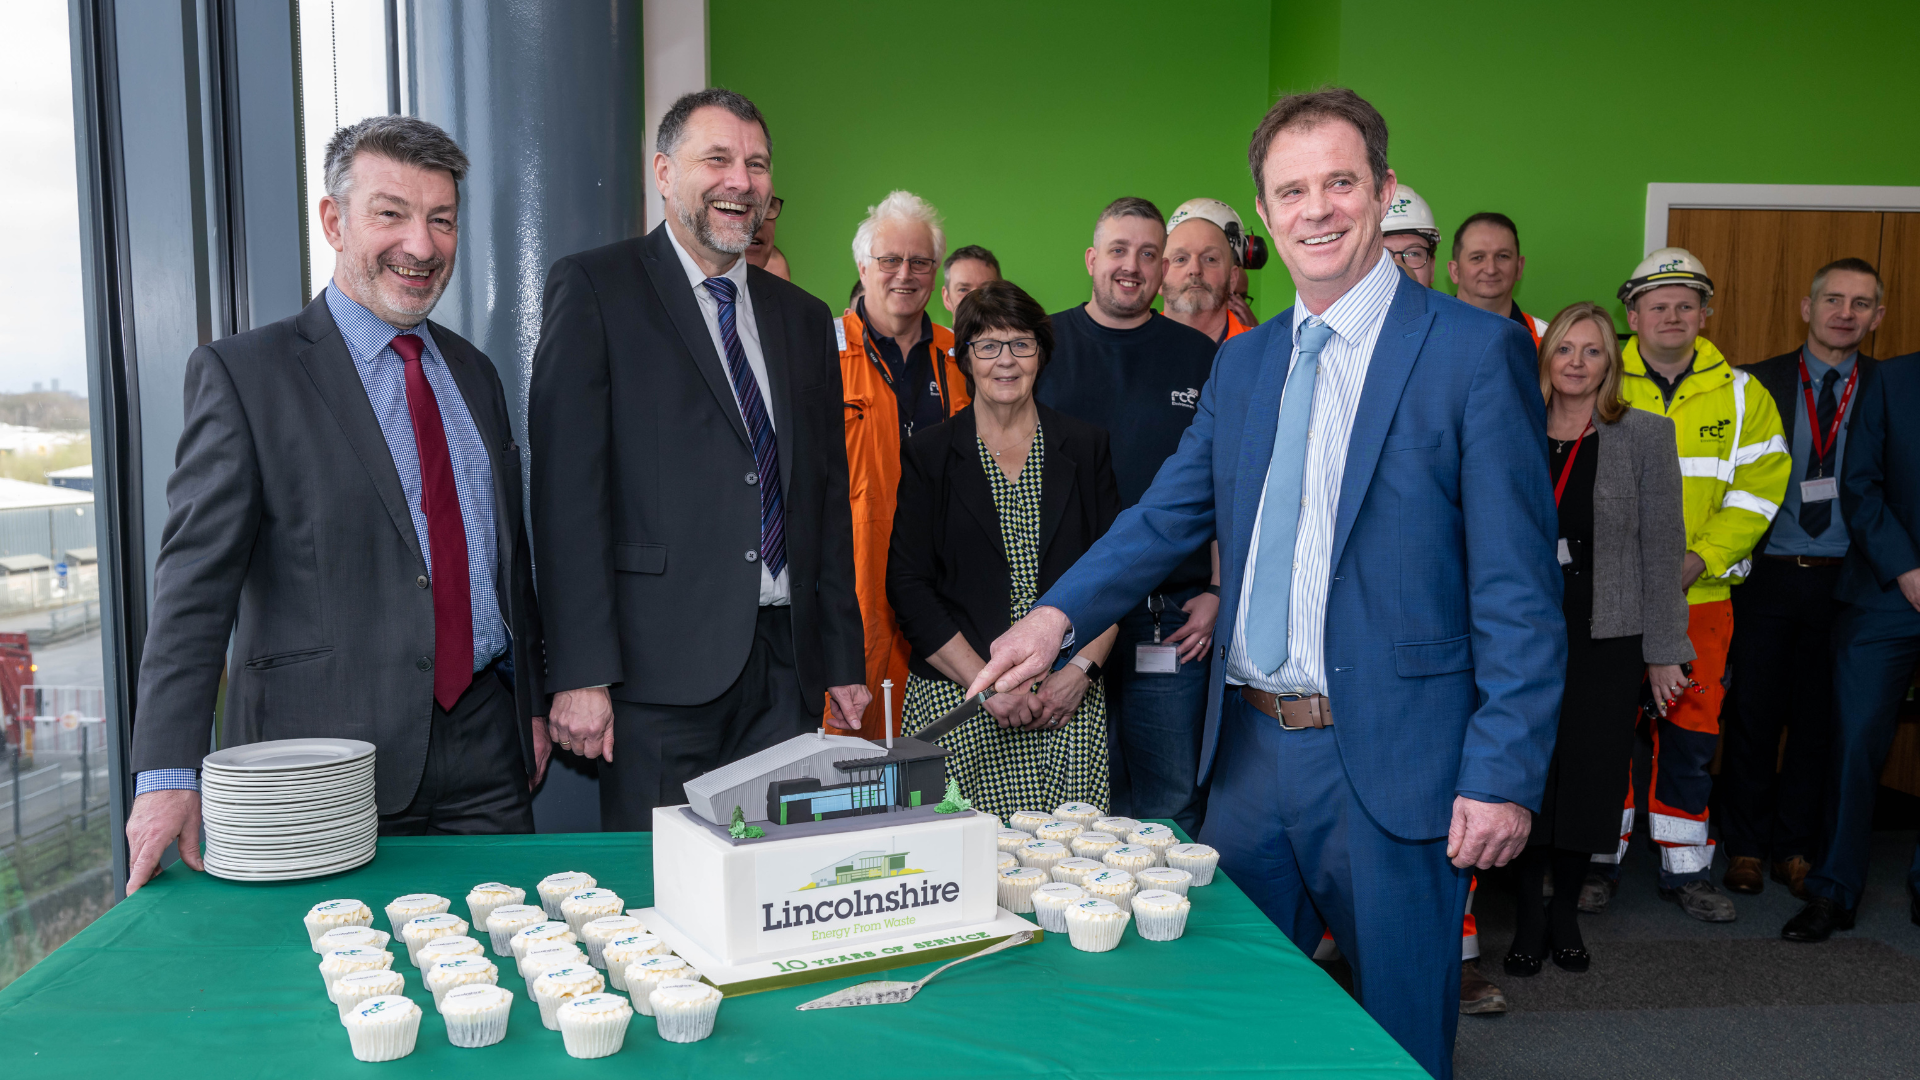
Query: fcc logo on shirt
{"type": "Point", "coordinates": [1188, 398]}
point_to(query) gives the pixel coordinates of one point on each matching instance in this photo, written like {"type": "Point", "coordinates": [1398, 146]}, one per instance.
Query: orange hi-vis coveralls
{"type": "Point", "coordinates": [873, 482]}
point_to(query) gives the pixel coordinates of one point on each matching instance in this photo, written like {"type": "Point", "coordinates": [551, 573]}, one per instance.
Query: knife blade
{"type": "Point", "coordinates": [956, 716]}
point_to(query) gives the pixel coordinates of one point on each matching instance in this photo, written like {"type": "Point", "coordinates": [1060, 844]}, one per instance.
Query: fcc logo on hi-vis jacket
{"type": "Point", "coordinates": [1188, 398]}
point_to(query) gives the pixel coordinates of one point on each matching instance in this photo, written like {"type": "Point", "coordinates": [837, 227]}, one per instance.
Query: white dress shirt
{"type": "Point", "coordinates": [1356, 319]}
{"type": "Point", "coordinates": [774, 591]}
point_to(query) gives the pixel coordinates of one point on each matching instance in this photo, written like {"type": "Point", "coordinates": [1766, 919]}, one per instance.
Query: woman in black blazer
{"type": "Point", "coordinates": [995, 504]}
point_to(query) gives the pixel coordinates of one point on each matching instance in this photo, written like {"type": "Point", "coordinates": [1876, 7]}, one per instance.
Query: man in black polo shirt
{"type": "Point", "coordinates": [1119, 364]}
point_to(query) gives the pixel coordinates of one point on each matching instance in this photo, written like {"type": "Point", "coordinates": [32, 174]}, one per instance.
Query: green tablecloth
{"type": "Point", "coordinates": [197, 977]}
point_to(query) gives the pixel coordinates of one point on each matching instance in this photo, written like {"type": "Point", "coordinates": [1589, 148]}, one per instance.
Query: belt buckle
{"type": "Point", "coordinates": [1282, 718]}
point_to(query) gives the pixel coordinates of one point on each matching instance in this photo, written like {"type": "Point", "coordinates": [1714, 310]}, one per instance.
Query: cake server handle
{"type": "Point", "coordinates": [1020, 938]}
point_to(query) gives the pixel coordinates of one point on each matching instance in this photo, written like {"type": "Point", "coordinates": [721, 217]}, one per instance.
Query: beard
{"type": "Point", "coordinates": [400, 304]}
{"type": "Point", "coordinates": [1113, 303]}
{"type": "Point", "coordinates": [1195, 299]}
{"type": "Point", "coordinates": [721, 235]}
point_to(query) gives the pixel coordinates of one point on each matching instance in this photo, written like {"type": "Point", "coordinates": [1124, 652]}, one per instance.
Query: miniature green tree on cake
{"type": "Point", "coordinates": [954, 802]}
{"type": "Point", "coordinates": [740, 830]}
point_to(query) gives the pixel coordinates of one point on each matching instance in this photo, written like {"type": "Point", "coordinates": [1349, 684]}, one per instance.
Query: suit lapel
{"type": "Point", "coordinates": [1256, 442]}
{"type": "Point", "coordinates": [778, 352]}
{"type": "Point", "coordinates": [1407, 323]}
{"type": "Point", "coordinates": [663, 267]}
{"type": "Point", "coordinates": [1057, 475]}
{"type": "Point", "coordinates": [971, 487]}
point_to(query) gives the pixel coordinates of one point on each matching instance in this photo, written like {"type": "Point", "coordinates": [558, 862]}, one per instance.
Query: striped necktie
{"type": "Point", "coordinates": [753, 410]}
{"type": "Point", "coordinates": [1280, 515]}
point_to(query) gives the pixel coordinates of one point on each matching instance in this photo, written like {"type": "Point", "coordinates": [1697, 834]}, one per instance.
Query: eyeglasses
{"type": "Point", "coordinates": [773, 207]}
{"type": "Point", "coordinates": [988, 349]}
{"type": "Point", "coordinates": [1413, 258]}
{"type": "Point", "coordinates": [891, 264]}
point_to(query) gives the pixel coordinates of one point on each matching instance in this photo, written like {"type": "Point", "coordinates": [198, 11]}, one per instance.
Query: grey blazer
{"type": "Point", "coordinates": [1639, 537]}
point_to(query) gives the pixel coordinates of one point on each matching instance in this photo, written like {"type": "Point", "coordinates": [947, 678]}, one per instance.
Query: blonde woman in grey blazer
{"type": "Point", "coordinates": [1616, 476]}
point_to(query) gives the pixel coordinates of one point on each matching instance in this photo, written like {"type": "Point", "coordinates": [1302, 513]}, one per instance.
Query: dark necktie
{"type": "Point", "coordinates": [753, 410]}
{"type": "Point", "coordinates": [1816, 516]}
{"type": "Point", "coordinates": [446, 539]}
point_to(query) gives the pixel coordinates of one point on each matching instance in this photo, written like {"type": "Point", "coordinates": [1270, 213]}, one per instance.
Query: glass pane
{"type": "Point", "coordinates": [56, 852]}
{"type": "Point", "coordinates": [343, 79]}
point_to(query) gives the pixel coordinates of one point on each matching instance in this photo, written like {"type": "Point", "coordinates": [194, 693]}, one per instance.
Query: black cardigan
{"type": "Point", "coordinates": [947, 569]}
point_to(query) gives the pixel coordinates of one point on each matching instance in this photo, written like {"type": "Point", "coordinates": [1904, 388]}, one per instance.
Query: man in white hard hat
{"type": "Point", "coordinates": [1205, 241]}
{"type": "Point", "coordinates": [1734, 468]}
{"type": "Point", "coordinates": [1486, 268]}
{"type": "Point", "coordinates": [1411, 235]}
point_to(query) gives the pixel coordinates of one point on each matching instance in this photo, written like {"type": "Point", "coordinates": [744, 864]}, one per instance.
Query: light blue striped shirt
{"type": "Point", "coordinates": [1356, 319]}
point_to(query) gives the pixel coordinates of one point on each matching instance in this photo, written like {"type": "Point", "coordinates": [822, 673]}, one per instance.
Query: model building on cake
{"type": "Point", "coordinates": [815, 777]}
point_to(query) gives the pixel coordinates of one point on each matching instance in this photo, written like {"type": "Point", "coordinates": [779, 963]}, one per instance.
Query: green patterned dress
{"type": "Point", "coordinates": [1003, 770]}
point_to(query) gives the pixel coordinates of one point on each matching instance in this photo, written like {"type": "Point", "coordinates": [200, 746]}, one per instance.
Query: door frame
{"type": "Point", "coordinates": [1664, 197]}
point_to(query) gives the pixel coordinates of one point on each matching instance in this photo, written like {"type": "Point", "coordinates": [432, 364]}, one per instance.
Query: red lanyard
{"type": "Point", "coordinates": [1822, 445]}
{"type": "Point", "coordinates": [1567, 469]}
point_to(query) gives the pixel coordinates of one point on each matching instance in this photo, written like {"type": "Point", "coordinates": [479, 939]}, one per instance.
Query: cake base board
{"type": "Point", "coordinates": [838, 962]}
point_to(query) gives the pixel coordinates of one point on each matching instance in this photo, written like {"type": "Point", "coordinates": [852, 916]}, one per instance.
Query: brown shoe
{"type": "Point", "coordinates": [1792, 872]}
{"type": "Point", "coordinates": [1744, 876]}
{"type": "Point", "coordinates": [1478, 995]}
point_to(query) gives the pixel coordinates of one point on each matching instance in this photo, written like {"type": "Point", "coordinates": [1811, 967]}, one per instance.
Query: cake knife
{"type": "Point", "coordinates": [956, 716]}
{"type": "Point", "coordinates": [892, 992]}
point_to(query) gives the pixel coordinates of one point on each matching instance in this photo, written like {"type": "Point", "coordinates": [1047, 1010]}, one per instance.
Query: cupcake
{"type": "Point", "coordinates": [561, 985]}
{"type": "Point", "coordinates": [343, 962]}
{"type": "Point", "coordinates": [1094, 845]}
{"type": "Point", "coordinates": [508, 920]}
{"type": "Point", "coordinates": [1110, 884]}
{"type": "Point", "coordinates": [1010, 839]}
{"type": "Point", "coordinates": [330, 914]}
{"type": "Point", "coordinates": [460, 971]}
{"type": "Point", "coordinates": [624, 950]}
{"type": "Point", "coordinates": [1114, 826]}
{"type": "Point", "coordinates": [1081, 814]}
{"type": "Point", "coordinates": [1095, 925]}
{"type": "Point", "coordinates": [441, 950]}
{"type": "Point", "coordinates": [1028, 820]}
{"type": "Point", "coordinates": [1042, 854]}
{"type": "Point", "coordinates": [1165, 878]}
{"type": "Point", "coordinates": [1016, 888]}
{"type": "Point", "coordinates": [1004, 860]}
{"type": "Point", "coordinates": [1157, 837]}
{"type": "Point", "coordinates": [548, 956]}
{"type": "Point", "coordinates": [684, 1010]}
{"type": "Point", "coordinates": [351, 937]}
{"type": "Point", "coordinates": [419, 931]}
{"type": "Point", "coordinates": [581, 908]}
{"type": "Point", "coordinates": [594, 1025]}
{"type": "Point", "coordinates": [1131, 857]}
{"type": "Point", "coordinates": [1059, 831]}
{"type": "Point", "coordinates": [557, 887]}
{"type": "Point", "coordinates": [604, 929]}
{"type": "Point", "coordinates": [650, 971]}
{"type": "Point", "coordinates": [539, 933]}
{"type": "Point", "coordinates": [484, 897]}
{"type": "Point", "coordinates": [1050, 903]}
{"type": "Point", "coordinates": [476, 1014]}
{"type": "Point", "coordinates": [412, 906]}
{"type": "Point", "coordinates": [383, 1028]}
{"type": "Point", "coordinates": [1196, 859]}
{"type": "Point", "coordinates": [1161, 915]}
{"type": "Point", "coordinates": [1075, 871]}
{"type": "Point", "coordinates": [350, 990]}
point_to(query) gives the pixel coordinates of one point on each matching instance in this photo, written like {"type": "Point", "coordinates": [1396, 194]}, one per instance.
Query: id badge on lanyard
{"type": "Point", "coordinates": [1823, 488]}
{"type": "Point", "coordinates": [1156, 659]}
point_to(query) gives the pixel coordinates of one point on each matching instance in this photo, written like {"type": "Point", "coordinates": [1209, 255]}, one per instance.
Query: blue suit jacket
{"type": "Point", "coordinates": [1446, 649]}
{"type": "Point", "coordinates": [1880, 487]}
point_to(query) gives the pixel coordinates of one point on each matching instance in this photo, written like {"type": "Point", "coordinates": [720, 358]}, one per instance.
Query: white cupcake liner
{"type": "Point", "coordinates": [1081, 814]}
{"type": "Point", "coordinates": [346, 995]}
{"type": "Point", "coordinates": [511, 923]}
{"type": "Point", "coordinates": [319, 924]}
{"type": "Point", "coordinates": [398, 916]}
{"type": "Point", "coordinates": [1157, 923]}
{"type": "Point", "coordinates": [520, 943]}
{"type": "Point", "coordinates": [616, 967]}
{"type": "Point", "coordinates": [552, 892]}
{"type": "Point", "coordinates": [1004, 860]}
{"type": "Point", "coordinates": [684, 1022]}
{"type": "Point", "coordinates": [550, 998]}
{"type": "Point", "coordinates": [1016, 889]}
{"type": "Point", "coordinates": [1158, 838]}
{"type": "Point", "coordinates": [596, 936]}
{"type": "Point", "coordinates": [1060, 832]}
{"type": "Point", "coordinates": [1139, 858]}
{"type": "Point", "coordinates": [385, 1042]}
{"type": "Point", "coordinates": [1095, 935]}
{"type": "Point", "coordinates": [640, 989]}
{"type": "Point", "coordinates": [1116, 826]}
{"type": "Point", "coordinates": [1201, 863]}
{"type": "Point", "coordinates": [480, 910]}
{"type": "Point", "coordinates": [483, 1027]}
{"type": "Point", "coordinates": [417, 936]}
{"type": "Point", "coordinates": [1042, 854]}
{"type": "Point", "coordinates": [1170, 878]}
{"type": "Point", "coordinates": [441, 985]}
{"type": "Point", "coordinates": [1074, 871]}
{"type": "Point", "coordinates": [332, 969]}
{"type": "Point", "coordinates": [1093, 845]}
{"type": "Point", "coordinates": [1027, 820]}
{"type": "Point", "coordinates": [350, 937]}
{"type": "Point", "coordinates": [1010, 839]}
{"type": "Point", "coordinates": [594, 1035]}
{"type": "Point", "coordinates": [1050, 905]}
{"type": "Point", "coordinates": [538, 964]}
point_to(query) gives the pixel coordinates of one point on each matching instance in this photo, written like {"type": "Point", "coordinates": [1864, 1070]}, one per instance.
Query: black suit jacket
{"type": "Point", "coordinates": [1880, 486]}
{"type": "Point", "coordinates": [288, 530]}
{"type": "Point", "coordinates": [947, 569]}
{"type": "Point", "coordinates": [1781, 376]}
{"type": "Point", "coordinates": [643, 513]}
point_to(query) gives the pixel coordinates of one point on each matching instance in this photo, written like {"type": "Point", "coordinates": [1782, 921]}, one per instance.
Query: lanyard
{"type": "Point", "coordinates": [906, 360]}
{"type": "Point", "coordinates": [1822, 446]}
{"type": "Point", "coordinates": [1567, 469]}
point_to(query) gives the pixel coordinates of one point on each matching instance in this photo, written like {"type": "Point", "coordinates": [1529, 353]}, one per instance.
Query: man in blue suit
{"type": "Point", "coordinates": [1392, 650]}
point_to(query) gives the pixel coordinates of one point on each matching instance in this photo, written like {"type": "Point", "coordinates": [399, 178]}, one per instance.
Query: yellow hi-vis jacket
{"type": "Point", "coordinates": [1734, 461]}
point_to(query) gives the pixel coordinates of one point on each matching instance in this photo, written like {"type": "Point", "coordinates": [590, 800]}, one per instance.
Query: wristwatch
{"type": "Point", "coordinates": [1086, 664]}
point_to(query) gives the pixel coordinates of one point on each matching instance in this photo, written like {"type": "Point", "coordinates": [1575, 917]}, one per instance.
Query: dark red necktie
{"type": "Point", "coordinates": [446, 537]}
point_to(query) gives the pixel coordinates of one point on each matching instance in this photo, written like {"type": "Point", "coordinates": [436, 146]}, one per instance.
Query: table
{"type": "Point", "coordinates": [197, 977]}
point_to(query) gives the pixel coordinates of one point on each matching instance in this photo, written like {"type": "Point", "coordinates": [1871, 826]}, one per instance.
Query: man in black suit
{"type": "Point", "coordinates": [345, 507]}
{"type": "Point", "coordinates": [689, 492]}
{"type": "Point", "coordinates": [1783, 615]}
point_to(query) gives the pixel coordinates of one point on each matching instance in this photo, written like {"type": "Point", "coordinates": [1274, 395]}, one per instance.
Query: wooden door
{"type": "Point", "coordinates": [1899, 265]}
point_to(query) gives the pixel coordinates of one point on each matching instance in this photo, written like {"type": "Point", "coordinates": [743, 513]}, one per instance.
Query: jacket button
{"type": "Point", "coordinates": [421, 581]}
{"type": "Point", "coordinates": [425, 663]}
{"type": "Point", "coordinates": [753, 556]}
{"type": "Point", "coordinates": [753, 478]}
{"type": "Point", "coordinates": [1223, 652]}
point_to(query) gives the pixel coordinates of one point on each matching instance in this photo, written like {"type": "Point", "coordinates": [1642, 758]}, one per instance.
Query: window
{"type": "Point", "coordinates": [345, 70]}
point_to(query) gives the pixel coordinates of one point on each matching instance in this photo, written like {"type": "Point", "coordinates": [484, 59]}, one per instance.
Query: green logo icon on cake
{"type": "Point", "coordinates": [861, 866]}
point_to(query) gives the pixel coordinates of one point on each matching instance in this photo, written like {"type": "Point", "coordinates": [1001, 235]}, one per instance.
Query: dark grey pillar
{"type": "Point", "coordinates": [546, 100]}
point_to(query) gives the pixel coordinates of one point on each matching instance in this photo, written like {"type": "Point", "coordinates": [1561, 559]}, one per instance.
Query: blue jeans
{"type": "Point", "coordinates": [1154, 723]}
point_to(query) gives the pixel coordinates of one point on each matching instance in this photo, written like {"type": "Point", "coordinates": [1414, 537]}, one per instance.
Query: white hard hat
{"type": "Point", "coordinates": [1667, 266]}
{"type": "Point", "coordinates": [1408, 212]}
{"type": "Point", "coordinates": [1249, 251]}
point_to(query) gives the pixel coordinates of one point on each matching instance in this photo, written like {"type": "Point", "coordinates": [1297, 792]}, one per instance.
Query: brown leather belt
{"type": "Point", "coordinates": [1806, 560]}
{"type": "Point", "coordinates": [1294, 711]}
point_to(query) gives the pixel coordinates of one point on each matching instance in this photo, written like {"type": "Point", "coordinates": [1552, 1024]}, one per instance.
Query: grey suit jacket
{"type": "Point", "coordinates": [1639, 537]}
{"type": "Point", "coordinates": [287, 530]}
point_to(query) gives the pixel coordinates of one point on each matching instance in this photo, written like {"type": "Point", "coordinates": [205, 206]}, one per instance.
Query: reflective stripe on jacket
{"type": "Point", "coordinates": [1734, 461]}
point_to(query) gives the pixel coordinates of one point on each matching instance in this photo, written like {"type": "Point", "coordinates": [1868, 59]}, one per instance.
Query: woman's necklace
{"type": "Point", "coordinates": [1028, 441]}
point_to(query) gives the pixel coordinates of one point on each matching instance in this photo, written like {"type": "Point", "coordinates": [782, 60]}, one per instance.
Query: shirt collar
{"type": "Point", "coordinates": [1359, 307]}
{"type": "Point", "coordinates": [696, 276]}
{"type": "Point", "coordinates": [1819, 368]}
{"type": "Point", "coordinates": [368, 335]}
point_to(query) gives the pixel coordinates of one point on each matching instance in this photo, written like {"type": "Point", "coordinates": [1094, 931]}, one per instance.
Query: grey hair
{"type": "Point", "coordinates": [673, 126]}
{"type": "Point", "coordinates": [898, 206]}
{"type": "Point", "coordinates": [408, 140]}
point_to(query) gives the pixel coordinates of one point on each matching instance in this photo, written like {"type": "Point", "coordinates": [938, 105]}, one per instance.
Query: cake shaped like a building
{"type": "Point", "coordinates": [817, 777]}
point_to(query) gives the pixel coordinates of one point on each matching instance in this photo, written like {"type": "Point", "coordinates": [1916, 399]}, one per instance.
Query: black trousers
{"type": "Point", "coordinates": [1781, 661]}
{"type": "Point", "coordinates": [658, 748]}
{"type": "Point", "coordinates": [475, 781]}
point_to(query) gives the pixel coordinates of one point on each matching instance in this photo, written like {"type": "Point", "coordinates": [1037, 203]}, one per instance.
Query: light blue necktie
{"type": "Point", "coordinates": [1280, 519]}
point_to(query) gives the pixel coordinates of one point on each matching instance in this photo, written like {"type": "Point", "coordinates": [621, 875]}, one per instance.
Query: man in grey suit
{"type": "Point", "coordinates": [345, 508]}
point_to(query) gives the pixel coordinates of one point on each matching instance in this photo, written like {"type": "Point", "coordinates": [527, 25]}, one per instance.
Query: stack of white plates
{"type": "Point", "coordinates": [293, 808]}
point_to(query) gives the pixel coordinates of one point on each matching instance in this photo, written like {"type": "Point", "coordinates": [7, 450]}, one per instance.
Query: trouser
{"type": "Point", "coordinates": [1873, 658]}
{"type": "Point", "coordinates": [1294, 836]}
{"type": "Point", "coordinates": [658, 748]}
{"type": "Point", "coordinates": [1154, 722]}
{"type": "Point", "coordinates": [1683, 744]}
{"type": "Point", "coordinates": [475, 779]}
{"type": "Point", "coordinates": [1771, 804]}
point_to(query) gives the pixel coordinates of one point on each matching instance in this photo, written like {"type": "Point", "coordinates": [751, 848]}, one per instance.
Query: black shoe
{"type": "Point", "coordinates": [1817, 921]}
{"type": "Point", "coordinates": [1520, 965]}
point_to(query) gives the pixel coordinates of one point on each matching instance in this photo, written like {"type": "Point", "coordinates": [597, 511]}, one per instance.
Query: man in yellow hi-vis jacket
{"type": "Point", "coordinates": [1734, 466]}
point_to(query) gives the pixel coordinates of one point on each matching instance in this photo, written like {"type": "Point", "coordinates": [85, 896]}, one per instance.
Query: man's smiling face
{"type": "Point", "coordinates": [1323, 208]}
{"type": "Point", "coordinates": [718, 181]}
{"type": "Point", "coordinates": [396, 230]}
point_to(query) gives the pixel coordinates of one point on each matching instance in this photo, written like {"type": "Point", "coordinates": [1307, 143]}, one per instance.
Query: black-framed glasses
{"type": "Point", "coordinates": [892, 263]}
{"type": "Point", "coordinates": [1413, 258]}
{"type": "Point", "coordinates": [988, 349]}
{"type": "Point", "coordinates": [773, 207]}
